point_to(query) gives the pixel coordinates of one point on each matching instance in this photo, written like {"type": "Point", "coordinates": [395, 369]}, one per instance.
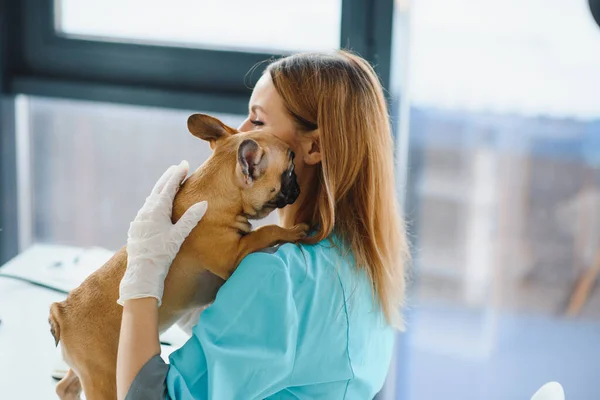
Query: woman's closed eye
{"type": "Point", "coordinates": [256, 122]}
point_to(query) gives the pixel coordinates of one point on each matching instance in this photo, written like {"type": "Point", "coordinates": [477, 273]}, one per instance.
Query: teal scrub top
{"type": "Point", "coordinates": [299, 322]}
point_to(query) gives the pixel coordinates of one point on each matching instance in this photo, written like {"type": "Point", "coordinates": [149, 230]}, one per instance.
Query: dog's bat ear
{"type": "Point", "coordinates": [251, 160]}
{"type": "Point", "coordinates": [208, 128]}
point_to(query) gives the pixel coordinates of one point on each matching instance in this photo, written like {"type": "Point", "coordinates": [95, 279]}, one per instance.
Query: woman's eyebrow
{"type": "Point", "coordinates": [257, 107]}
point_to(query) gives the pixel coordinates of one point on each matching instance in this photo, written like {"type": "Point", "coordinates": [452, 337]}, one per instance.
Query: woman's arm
{"type": "Point", "coordinates": [138, 341]}
{"type": "Point", "coordinates": [244, 346]}
{"type": "Point", "coordinates": [153, 241]}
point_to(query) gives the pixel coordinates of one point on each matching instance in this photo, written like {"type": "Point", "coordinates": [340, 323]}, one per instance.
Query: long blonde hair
{"type": "Point", "coordinates": [355, 198]}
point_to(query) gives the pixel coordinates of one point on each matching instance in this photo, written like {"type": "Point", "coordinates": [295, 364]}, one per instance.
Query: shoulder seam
{"type": "Point", "coordinates": [269, 251]}
{"type": "Point", "coordinates": [268, 275]}
{"type": "Point", "coordinates": [347, 334]}
{"type": "Point", "coordinates": [232, 322]}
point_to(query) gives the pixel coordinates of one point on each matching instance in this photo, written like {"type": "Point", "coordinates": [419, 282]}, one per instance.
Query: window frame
{"type": "Point", "coordinates": [9, 13]}
{"type": "Point", "coordinates": [51, 64]}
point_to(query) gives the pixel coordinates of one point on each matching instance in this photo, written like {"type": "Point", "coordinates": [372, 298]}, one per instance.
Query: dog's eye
{"type": "Point", "coordinates": [257, 122]}
{"type": "Point", "coordinates": [273, 190]}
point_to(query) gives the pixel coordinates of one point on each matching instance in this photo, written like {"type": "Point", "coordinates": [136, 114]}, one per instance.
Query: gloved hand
{"type": "Point", "coordinates": [154, 241]}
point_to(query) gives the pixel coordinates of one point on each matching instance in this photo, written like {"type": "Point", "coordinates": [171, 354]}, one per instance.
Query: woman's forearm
{"type": "Point", "coordinates": [138, 341]}
{"type": "Point", "coordinates": [142, 285]}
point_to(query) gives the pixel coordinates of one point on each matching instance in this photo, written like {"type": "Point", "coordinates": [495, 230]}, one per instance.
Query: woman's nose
{"type": "Point", "coordinates": [245, 126]}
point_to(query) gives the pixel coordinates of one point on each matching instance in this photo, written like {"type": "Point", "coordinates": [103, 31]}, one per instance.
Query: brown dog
{"type": "Point", "coordinates": [248, 176]}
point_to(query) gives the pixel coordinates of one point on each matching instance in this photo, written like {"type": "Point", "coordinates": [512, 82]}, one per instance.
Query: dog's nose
{"type": "Point", "coordinates": [281, 202]}
{"type": "Point", "coordinates": [288, 197]}
{"type": "Point", "coordinates": [290, 190]}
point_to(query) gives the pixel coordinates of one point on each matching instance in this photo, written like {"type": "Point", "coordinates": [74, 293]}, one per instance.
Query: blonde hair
{"type": "Point", "coordinates": [340, 95]}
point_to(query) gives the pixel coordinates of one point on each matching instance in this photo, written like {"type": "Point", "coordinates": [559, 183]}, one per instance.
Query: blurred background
{"type": "Point", "coordinates": [497, 125]}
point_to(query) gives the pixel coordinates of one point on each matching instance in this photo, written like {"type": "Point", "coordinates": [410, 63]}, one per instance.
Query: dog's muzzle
{"type": "Point", "coordinates": [290, 190]}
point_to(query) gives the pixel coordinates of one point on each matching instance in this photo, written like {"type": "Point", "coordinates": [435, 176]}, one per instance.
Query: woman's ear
{"type": "Point", "coordinates": [311, 148]}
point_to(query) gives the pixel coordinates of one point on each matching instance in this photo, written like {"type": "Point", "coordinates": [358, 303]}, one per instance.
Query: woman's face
{"type": "Point", "coordinates": [267, 111]}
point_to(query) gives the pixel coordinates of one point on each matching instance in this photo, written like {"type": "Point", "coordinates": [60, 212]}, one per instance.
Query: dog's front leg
{"type": "Point", "coordinates": [69, 387]}
{"type": "Point", "coordinates": [270, 235]}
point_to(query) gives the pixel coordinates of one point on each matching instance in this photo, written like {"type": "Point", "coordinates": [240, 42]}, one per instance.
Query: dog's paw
{"type": "Point", "coordinates": [69, 388]}
{"type": "Point", "coordinates": [298, 232]}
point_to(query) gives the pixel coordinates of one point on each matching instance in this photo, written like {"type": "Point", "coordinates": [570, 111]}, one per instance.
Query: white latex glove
{"type": "Point", "coordinates": [153, 240]}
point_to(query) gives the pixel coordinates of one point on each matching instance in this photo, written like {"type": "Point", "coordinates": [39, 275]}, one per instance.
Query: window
{"type": "Point", "coordinates": [210, 24]}
{"type": "Point", "coordinates": [91, 166]}
{"type": "Point", "coordinates": [501, 141]}
{"type": "Point", "coordinates": [504, 197]}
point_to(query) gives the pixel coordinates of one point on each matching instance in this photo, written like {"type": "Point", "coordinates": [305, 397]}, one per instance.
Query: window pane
{"type": "Point", "coordinates": [503, 199]}
{"type": "Point", "coordinates": [93, 164]}
{"type": "Point", "coordinates": [262, 25]}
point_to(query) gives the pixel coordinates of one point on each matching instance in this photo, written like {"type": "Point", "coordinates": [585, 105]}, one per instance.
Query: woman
{"type": "Point", "coordinates": [300, 322]}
